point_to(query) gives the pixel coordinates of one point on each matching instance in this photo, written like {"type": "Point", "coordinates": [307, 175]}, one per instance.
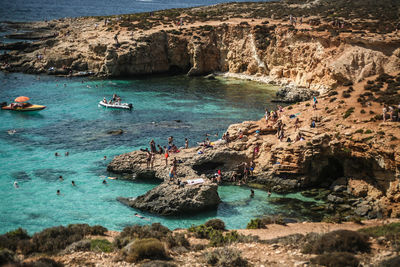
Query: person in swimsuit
{"type": "Point", "coordinates": [153, 146]}
{"type": "Point", "coordinates": [148, 158]}
{"type": "Point", "coordinates": [186, 143]}
{"type": "Point", "coordinates": [166, 155]}
{"type": "Point", "coordinates": [73, 183]}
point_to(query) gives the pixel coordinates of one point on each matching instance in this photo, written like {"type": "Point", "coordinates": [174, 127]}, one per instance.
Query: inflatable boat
{"type": "Point", "coordinates": [115, 105]}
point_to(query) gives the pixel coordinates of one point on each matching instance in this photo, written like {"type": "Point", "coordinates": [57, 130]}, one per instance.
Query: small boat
{"type": "Point", "coordinates": [24, 107]}
{"type": "Point", "coordinates": [21, 104]}
{"type": "Point", "coordinates": [116, 105]}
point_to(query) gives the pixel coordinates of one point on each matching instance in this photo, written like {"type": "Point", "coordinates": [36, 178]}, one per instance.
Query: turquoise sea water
{"type": "Point", "coordinates": [73, 122]}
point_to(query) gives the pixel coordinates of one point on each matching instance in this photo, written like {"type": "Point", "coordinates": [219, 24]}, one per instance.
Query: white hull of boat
{"type": "Point", "coordinates": [119, 106]}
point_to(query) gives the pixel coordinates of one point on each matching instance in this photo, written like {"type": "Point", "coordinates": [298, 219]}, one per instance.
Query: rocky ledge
{"type": "Point", "coordinates": [350, 153]}
{"type": "Point", "coordinates": [172, 199]}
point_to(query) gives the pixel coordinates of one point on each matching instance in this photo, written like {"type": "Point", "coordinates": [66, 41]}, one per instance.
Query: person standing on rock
{"type": "Point", "coordinates": [153, 146]}
{"type": "Point", "coordinates": [384, 111]}
{"type": "Point", "coordinates": [245, 172]}
{"type": "Point", "coordinates": [186, 143]}
{"type": "Point", "coordinates": [116, 39]}
{"type": "Point", "coordinates": [296, 124]}
{"type": "Point", "coordinates": [148, 158]}
{"type": "Point", "coordinates": [166, 155]}
{"type": "Point", "coordinates": [153, 157]}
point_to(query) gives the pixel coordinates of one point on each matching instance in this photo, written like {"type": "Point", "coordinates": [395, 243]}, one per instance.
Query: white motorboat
{"type": "Point", "coordinates": [116, 105]}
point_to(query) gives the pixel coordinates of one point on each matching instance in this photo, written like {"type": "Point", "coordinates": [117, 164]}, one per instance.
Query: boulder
{"type": "Point", "coordinates": [171, 199]}
{"type": "Point", "coordinates": [293, 94]}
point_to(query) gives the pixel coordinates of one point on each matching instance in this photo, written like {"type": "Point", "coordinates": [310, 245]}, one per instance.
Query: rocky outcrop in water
{"type": "Point", "coordinates": [172, 199]}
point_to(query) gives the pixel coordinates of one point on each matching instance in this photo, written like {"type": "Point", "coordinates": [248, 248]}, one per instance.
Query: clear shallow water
{"type": "Point", "coordinates": [73, 122]}
{"type": "Point", "coordinates": [34, 10]}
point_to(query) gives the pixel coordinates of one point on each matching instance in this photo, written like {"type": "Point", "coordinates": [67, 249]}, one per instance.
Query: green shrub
{"type": "Point", "coordinates": [216, 224]}
{"type": "Point", "coordinates": [360, 131]}
{"type": "Point", "coordinates": [43, 262]}
{"type": "Point", "coordinates": [200, 231]}
{"type": "Point", "coordinates": [148, 248]}
{"type": "Point", "coordinates": [368, 131]}
{"type": "Point", "coordinates": [225, 257]}
{"type": "Point", "coordinates": [336, 259]}
{"type": "Point", "coordinates": [337, 218]}
{"type": "Point", "coordinates": [346, 94]}
{"type": "Point", "coordinates": [362, 111]}
{"type": "Point", "coordinates": [177, 240]}
{"type": "Point", "coordinates": [58, 238]}
{"type": "Point", "coordinates": [339, 241]}
{"type": "Point", "coordinates": [332, 93]}
{"type": "Point", "coordinates": [101, 245]}
{"type": "Point", "coordinates": [10, 240]}
{"type": "Point", "coordinates": [7, 257]}
{"type": "Point", "coordinates": [391, 231]}
{"type": "Point", "coordinates": [256, 224]}
{"type": "Point", "coordinates": [392, 262]}
{"type": "Point", "coordinates": [348, 112]}
{"type": "Point", "coordinates": [129, 233]}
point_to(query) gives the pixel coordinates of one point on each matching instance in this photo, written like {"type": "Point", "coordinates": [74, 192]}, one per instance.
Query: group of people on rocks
{"type": "Point", "coordinates": [392, 112]}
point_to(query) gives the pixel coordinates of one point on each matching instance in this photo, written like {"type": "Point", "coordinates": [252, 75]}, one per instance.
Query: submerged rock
{"type": "Point", "coordinates": [116, 132]}
{"type": "Point", "coordinates": [171, 199]}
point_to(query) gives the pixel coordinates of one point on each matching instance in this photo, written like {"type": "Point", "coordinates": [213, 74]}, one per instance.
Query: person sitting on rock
{"type": "Point", "coordinates": [160, 150]}
{"type": "Point", "coordinates": [171, 173]}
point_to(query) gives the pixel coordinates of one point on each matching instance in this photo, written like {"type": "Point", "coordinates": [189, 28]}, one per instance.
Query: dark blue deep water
{"type": "Point", "coordinates": [34, 10]}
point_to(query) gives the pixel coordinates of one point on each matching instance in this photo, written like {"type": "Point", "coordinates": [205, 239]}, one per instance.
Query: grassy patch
{"type": "Point", "coordinates": [130, 233]}
{"type": "Point", "coordinates": [148, 248]}
{"type": "Point", "coordinates": [336, 259]}
{"type": "Point", "coordinates": [225, 257]}
{"type": "Point", "coordinates": [101, 245]}
{"type": "Point", "coordinates": [348, 112]}
{"type": "Point", "coordinates": [391, 232]}
{"type": "Point", "coordinates": [338, 241]}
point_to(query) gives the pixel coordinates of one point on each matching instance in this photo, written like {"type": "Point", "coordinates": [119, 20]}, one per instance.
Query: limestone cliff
{"type": "Point", "coordinates": [317, 58]}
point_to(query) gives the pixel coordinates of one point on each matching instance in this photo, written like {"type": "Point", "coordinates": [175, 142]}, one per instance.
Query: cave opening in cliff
{"type": "Point", "coordinates": [327, 170]}
{"type": "Point", "coordinates": [209, 167]}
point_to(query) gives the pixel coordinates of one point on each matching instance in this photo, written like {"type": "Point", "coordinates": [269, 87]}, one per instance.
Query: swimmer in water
{"type": "Point", "coordinates": [56, 154]}
{"type": "Point", "coordinates": [251, 193]}
{"type": "Point", "coordinates": [269, 193]}
{"type": "Point", "coordinates": [105, 157]}
{"type": "Point", "coordinates": [16, 184]}
{"type": "Point", "coordinates": [11, 132]}
{"type": "Point", "coordinates": [61, 178]}
{"type": "Point", "coordinates": [141, 217]}
{"type": "Point", "coordinates": [66, 153]}
{"type": "Point", "coordinates": [73, 183]}
{"type": "Point", "coordinates": [104, 182]}
{"type": "Point", "coordinates": [58, 192]}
